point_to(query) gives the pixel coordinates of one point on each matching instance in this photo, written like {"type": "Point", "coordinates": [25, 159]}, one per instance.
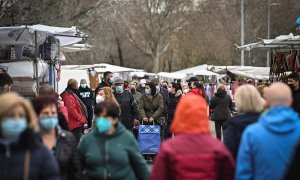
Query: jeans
{"type": "Point", "coordinates": [218, 126]}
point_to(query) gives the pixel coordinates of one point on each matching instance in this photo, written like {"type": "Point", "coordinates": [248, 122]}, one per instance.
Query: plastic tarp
{"type": "Point", "coordinates": [258, 73]}
{"type": "Point", "coordinates": [193, 69]}
{"type": "Point", "coordinates": [26, 69]}
{"type": "Point", "coordinates": [101, 68]}
{"type": "Point", "coordinates": [172, 75]}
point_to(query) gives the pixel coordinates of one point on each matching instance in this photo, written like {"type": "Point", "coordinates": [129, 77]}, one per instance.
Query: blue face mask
{"type": "Point", "coordinates": [12, 128]}
{"type": "Point", "coordinates": [147, 91]}
{"type": "Point", "coordinates": [48, 123]}
{"type": "Point", "coordinates": [83, 86]}
{"type": "Point", "coordinates": [111, 80]}
{"type": "Point", "coordinates": [103, 124]}
{"type": "Point", "coordinates": [119, 89]}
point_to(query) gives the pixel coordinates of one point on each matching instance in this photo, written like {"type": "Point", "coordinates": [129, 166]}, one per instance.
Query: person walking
{"type": "Point", "coordinates": [76, 109]}
{"type": "Point", "coordinates": [249, 104]}
{"type": "Point", "coordinates": [22, 155]}
{"type": "Point", "coordinates": [193, 153]}
{"type": "Point", "coordinates": [109, 151]}
{"type": "Point", "coordinates": [59, 142]}
{"type": "Point", "coordinates": [221, 105]}
{"type": "Point", "coordinates": [87, 97]}
{"type": "Point", "coordinates": [267, 147]}
{"type": "Point", "coordinates": [175, 94]}
{"type": "Point", "coordinates": [129, 109]}
{"type": "Point", "coordinates": [152, 105]}
{"type": "Point", "coordinates": [107, 81]}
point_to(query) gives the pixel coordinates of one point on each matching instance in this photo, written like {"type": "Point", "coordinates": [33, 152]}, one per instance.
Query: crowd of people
{"type": "Point", "coordinates": [86, 134]}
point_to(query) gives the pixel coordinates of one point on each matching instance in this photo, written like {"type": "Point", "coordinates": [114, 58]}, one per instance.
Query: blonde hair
{"type": "Point", "coordinates": [221, 87]}
{"type": "Point", "coordinates": [248, 99]}
{"type": "Point", "coordinates": [108, 94]}
{"type": "Point", "coordinates": [10, 100]}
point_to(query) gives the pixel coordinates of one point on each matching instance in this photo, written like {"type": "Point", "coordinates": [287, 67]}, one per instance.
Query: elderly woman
{"type": "Point", "coordinates": [109, 151]}
{"type": "Point", "coordinates": [249, 104]}
{"type": "Point", "coordinates": [60, 142]}
{"type": "Point", "coordinates": [22, 155]}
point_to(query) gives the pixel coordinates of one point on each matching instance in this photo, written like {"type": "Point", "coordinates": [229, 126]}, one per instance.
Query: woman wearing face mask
{"type": "Point", "coordinates": [59, 142]}
{"type": "Point", "coordinates": [109, 151]}
{"type": "Point", "coordinates": [105, 94]}
{"type": "Point", "coordinates": [22, 155]}
{"type": "Point", "coordinates": [152, 105]}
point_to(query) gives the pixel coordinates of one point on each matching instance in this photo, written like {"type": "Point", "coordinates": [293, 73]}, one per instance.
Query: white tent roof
{"type": "Point", "coordinates": [204, 72]}
{"type": "Point", "coordinates": [101, 68]}
{"type": "Point", "coordinates": [172, 75]}
{"type": "Point", "coordinates": [193, 69]}
{"type": "Point", "coordinates": [259, 73]}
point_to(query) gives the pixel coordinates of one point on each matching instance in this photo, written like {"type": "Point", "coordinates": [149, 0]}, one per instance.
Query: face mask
{"type": "Point", "coordinates": [99, 99]}
{"type": "Point", "coordinates": [12, 128]}
{"type": "Point", "coordinates": [103, 124]}
{"type": "Point", "coordinates": [48, 123]}
{"type": "Point", "coordinates": [111, 80]}
{"type": "Point", "coordinates": [83, 86]}
{"type": "Point", "coordinates": [143, 85]}
{"type": "Point", "coordinates": [170, 90]}
{"type": "Point", "coordinates": [119, 89]}
{"type": "Point", "coordinates": [185, 91]}
{"type": "Point", "coordinates": [157, 88]}
{"type": "Point", "coordinates": [147, 91]}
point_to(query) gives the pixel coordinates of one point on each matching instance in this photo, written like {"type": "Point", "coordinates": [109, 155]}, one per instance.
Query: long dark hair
{"type": "Point", "coordinates": [152, 87]}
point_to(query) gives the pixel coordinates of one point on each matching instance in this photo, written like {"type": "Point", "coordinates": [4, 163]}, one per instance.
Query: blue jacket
{"type": "Point", "coordinates": [267, 147]}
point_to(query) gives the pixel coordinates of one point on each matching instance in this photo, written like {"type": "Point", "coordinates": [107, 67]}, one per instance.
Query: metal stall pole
{"type": "Point", "coordinates": [36, 62]}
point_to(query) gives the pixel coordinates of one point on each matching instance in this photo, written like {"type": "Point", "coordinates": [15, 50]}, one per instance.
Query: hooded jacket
{"type": "Point", "coordinates": [193, 153]}
{"type": "Point", "coordinates": [113, 156]}
{"type": "Point", "coordinates": [267, 146]}
{"type": "Point", "coordinates": [235, 129]}
{"type": "Point", "coordinates": [222, 106]}
{"type": "Point", "coordinates": [196, 91]}
{"type": "Point", "coordinates": [77, 116]}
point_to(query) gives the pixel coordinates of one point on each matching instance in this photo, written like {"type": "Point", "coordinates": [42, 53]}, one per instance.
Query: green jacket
{"type": "Point", "coordinates": [137, 96]}
{"type": "Point", "coordinates": [152, 106]}
{"type": "Point", "coordinates": [113, 156]}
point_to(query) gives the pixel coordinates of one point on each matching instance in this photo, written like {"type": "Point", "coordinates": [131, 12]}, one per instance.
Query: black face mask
{"type": "Point", "coordinates": [132, 90]}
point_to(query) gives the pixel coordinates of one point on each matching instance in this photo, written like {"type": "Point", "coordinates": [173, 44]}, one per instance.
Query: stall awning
{"type": "Point", "coordinates": [101, 68]}
{"type": "Point", "coordinates": [172, 75]}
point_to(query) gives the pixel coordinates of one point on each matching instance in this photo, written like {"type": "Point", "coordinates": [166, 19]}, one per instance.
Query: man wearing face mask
{"type": "Point", "coordinates": [137, 95]}
{"type": "Point", "coordinates": [107, 81]}
{"type": "Point", "coordinates": [293, 83]}
{"type": "Point", "coordinates": [129, 109]}
{"type": "Point", "coordinates": [86, 96]}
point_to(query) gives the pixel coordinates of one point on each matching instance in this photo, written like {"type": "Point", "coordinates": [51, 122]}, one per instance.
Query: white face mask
{"type": "Point", "coordinates": [185, 91]}
{"type": "Point", "coordinates": [99, 99]}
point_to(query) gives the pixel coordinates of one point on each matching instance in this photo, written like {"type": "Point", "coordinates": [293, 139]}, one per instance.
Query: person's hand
{"type": "Point", "coordinates": [87, 131]}
{"type": "Point", "coordinates": [145, 119]}
{"type": "Point", "coordinates": [136, 122]}
{"type": "Point", "coordinates": [151, 119]}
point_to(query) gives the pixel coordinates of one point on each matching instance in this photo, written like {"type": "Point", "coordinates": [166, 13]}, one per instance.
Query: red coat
{"type": "Point", "coordinates": [64, 111]}
{"type": "Point", "coordinates": [193, 156]}
{"type": "Point", "coordinates": [76, 115]}
{"type": "Point", "coordinates": [196, 91]}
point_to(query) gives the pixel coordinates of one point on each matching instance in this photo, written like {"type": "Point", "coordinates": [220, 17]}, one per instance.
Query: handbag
{"type": "Point", "coordinates": [149, 138]}
{"type": "Point", "coordinates": [26, 165]}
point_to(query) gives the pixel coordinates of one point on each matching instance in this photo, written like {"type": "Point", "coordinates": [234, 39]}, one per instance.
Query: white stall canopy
{"type": "Point", "coordinates": [101, 68]}
{"type": "Point", "coordinates": [193, 69]}
{"type": "Point", "coordinates": [172, 75]}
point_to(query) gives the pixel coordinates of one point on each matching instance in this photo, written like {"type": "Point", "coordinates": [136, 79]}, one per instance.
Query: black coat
{"type": "Point", "coordinates": [42, 164]}
{"type": "Point", "coordinates": [172, 106]}
{"type": "Point", "coordinates": [101, 85]}
{"type": "Point", "coordinates": [235, 129]}
{"type": "Point", "coordinates": [67, 155]}
{"type": "Point", "coordinates": [296, 101]}
{"type": "Point", "coordinates": [129, 108]}
{"type": "Point", "coordinates": [293, 172]}
{"type": "Point", "coordinates": [87, 97]}
{"type": "Point", "coordinates": [222, 106]}
{"type": "Point", "coordinates": [164, 92]}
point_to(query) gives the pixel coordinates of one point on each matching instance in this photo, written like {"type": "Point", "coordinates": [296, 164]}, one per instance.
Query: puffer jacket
{"type": "Point", "coordinates": [113, 156]}
{"type": "Point", "coordinates": [77, 117]}
{"type": "Point", "coordinates": [152, 106]}
{"type": "Point", "coordinates": [222, 105]}
{"type": "Point", "coordinates": [67, 155]}
{"type": "Point", "coordinates": [12, 156]}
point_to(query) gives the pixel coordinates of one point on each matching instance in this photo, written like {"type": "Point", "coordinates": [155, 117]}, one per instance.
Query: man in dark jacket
{"type": "Point", "coordinates": [164, 92]}
{"type": "Point", "coordinates": [107, 81]}
{"type": "Point", "coordinates": [129, 109]}
{"type": "Point", "coordinates": [222, 105]}
{"type": "Point", "coordinates": [293, 83]}
{"type": "Point", "coordinates": [86, 96]}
